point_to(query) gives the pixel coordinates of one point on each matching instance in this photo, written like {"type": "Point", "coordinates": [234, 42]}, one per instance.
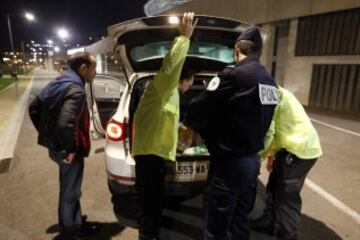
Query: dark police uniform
{"type": "Point", "coordinates": [233, 116]}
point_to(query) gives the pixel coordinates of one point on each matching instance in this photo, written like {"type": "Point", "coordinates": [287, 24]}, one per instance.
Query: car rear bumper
{"type": "Point", "coordinates": [182, 189]}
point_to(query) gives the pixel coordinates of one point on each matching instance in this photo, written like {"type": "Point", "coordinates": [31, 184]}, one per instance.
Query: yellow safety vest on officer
{"type": "Point", "coordinates": [291, 129]}
{"type": "Point", "coordinates": [292, 147]}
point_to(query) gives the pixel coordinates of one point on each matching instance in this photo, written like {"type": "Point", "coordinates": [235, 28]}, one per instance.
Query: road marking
{"type": "Point", "coordinates": [335, 127]}
{"type": "Point", "coordinates": [334, 201]}
{"type": "Point", "coordinates": [331, 199]}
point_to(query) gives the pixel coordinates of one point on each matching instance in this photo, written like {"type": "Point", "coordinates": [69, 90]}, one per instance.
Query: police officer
{"type": "Point", "coordinates": [292, 147]}
{"type": "Point", "coordinates": [233, 116]}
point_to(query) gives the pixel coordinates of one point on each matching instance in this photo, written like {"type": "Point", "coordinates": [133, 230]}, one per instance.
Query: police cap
{"type": "Point", "coordinates": [251, 34]}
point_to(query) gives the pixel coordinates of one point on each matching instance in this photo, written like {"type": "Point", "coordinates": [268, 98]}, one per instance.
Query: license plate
{"type": "Point", "coordinates": [187, 171]}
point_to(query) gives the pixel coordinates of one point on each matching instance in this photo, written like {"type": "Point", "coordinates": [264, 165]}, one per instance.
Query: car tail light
{"type": "Point", "coordinates": [116, 131]}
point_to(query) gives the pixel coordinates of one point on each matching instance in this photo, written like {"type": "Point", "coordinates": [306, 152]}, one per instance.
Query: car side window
{"type": "Point", "coordinates": [105, 87]}
{"type": "Point", "coordinates": [107, 93]}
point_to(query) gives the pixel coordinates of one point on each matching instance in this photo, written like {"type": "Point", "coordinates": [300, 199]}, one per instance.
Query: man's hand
{"type": "Point", "coordinates": [187, 24]}
{"type": "Point", "coordinates": [269, 163]}
{"type": "Point", "coordinates": [70, 158]}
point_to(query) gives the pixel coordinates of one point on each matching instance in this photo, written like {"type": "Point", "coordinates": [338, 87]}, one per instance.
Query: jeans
{"type": "Point", "coordinates": [70, 178]}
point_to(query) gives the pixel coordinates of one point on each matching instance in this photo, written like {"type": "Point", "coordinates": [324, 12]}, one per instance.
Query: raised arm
{"type": "Point", "coordinates": [168, 77]}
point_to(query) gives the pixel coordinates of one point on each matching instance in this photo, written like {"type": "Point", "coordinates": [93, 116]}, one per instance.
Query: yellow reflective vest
{"type": "Point", "coordinates": [291, 129]}
{"type": "Point", "coordinates": [156, 120]}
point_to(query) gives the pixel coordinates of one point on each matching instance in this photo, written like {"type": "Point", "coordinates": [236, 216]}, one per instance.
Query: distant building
{"type": "Point", "coordinates": [13, 62]}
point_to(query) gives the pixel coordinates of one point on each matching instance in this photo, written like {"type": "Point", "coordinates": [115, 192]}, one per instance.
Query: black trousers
{"type": "Point", "coordinates": [283, 199]}
{"type": "Point", "coordinates": [70, 178]}
{"type": "Point", "coordinates": [229, 196]}
{"type": "Point", "coordinates": [150, 175]}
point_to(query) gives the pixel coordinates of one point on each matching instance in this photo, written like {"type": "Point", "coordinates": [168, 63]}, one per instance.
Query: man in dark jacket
{"type": "Point", "coordinates": [233, 116]}
{"type": "Point", "coordinates": [59, 113]}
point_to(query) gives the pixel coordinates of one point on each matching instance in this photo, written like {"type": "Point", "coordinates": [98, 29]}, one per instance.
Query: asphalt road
{"type": "Point", "coordinates": [28, 194]}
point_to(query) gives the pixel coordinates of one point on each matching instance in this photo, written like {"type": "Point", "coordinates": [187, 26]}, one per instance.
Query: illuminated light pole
{"type": "Point", "coordinates": [56, 49]}
{"type": "Point", "coordinates": [63, 33]}
{"type": "Point", "coordinates": [29, 16]}
{"type": "Point", "coordinates": [10, 32]}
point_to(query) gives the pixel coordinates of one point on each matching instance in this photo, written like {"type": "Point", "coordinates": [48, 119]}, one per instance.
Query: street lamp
{"type": "Point", "coordinates": [28, 16]}
{"type": "Point", "coordinates": [63, 33]}
{"type": "Point", "coordinates": [10, 32]}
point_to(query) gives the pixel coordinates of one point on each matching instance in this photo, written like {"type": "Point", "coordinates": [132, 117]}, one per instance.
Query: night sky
{"type": "Point", "coordinates": [83, 19]}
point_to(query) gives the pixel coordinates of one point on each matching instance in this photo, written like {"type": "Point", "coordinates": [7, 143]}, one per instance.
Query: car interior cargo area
{"type": "Point", "coordinates": [190, 144]}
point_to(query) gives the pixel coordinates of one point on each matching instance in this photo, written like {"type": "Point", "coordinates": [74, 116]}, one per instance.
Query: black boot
{"type": "Point", "coordinates": [87, 228]}
{"type": "Point", "coordinates": [264, 224]}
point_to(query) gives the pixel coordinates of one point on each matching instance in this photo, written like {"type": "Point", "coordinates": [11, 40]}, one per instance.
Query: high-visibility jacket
{"type": "Point", "coordinates": [291, 129]}
{"type": "Point", "coordinates": [156, 119]}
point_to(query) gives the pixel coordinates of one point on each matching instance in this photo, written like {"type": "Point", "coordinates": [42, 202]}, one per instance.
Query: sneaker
{"type": "Point", "coordinates": [264, 224]}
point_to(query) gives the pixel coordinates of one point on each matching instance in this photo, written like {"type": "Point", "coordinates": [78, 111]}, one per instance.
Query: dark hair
{"type": "Point", "coordinates": [186, 73]}
{"type": "Point", "coordinates": [249, 48]}
{"type": "Point", "coordinates": [80, 58]}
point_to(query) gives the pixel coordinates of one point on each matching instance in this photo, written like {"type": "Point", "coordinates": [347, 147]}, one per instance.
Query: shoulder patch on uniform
{"type": "Point", "coordinates": [268, 94]}
{"type": "Point", "coordinates": [213, 84]}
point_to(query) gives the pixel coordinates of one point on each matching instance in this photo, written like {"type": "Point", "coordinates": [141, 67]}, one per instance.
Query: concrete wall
{"type": "Point", "coordinates": [266, 57]}
{"type": "Point", "coordinates": [298, 70]}
{"type": "Point", "coordinates": [282, 53]}
{"type": "Point", "coordinates": [264, 11]}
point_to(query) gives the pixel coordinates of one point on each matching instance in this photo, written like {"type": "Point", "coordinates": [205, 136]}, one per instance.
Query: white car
{"type": "Point", "coordinates": [140, 46]}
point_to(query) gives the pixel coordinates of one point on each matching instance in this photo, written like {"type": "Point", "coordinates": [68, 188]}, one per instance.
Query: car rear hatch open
{"type": "Point", "coordinates": [142, 43]}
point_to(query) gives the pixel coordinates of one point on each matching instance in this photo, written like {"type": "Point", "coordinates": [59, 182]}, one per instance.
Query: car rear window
{"type": "Point", "coordinates": [213, 51]}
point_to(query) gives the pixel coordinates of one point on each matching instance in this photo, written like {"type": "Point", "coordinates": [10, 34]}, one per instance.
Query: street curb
{"type": "Point", "coordinates": [11, 134]}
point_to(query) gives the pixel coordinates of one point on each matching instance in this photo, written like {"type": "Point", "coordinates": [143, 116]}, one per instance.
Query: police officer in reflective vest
{"type": "Point", "coordinates": [233, 116]}
{"type": "Point", "coordinates": [292, 147]}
